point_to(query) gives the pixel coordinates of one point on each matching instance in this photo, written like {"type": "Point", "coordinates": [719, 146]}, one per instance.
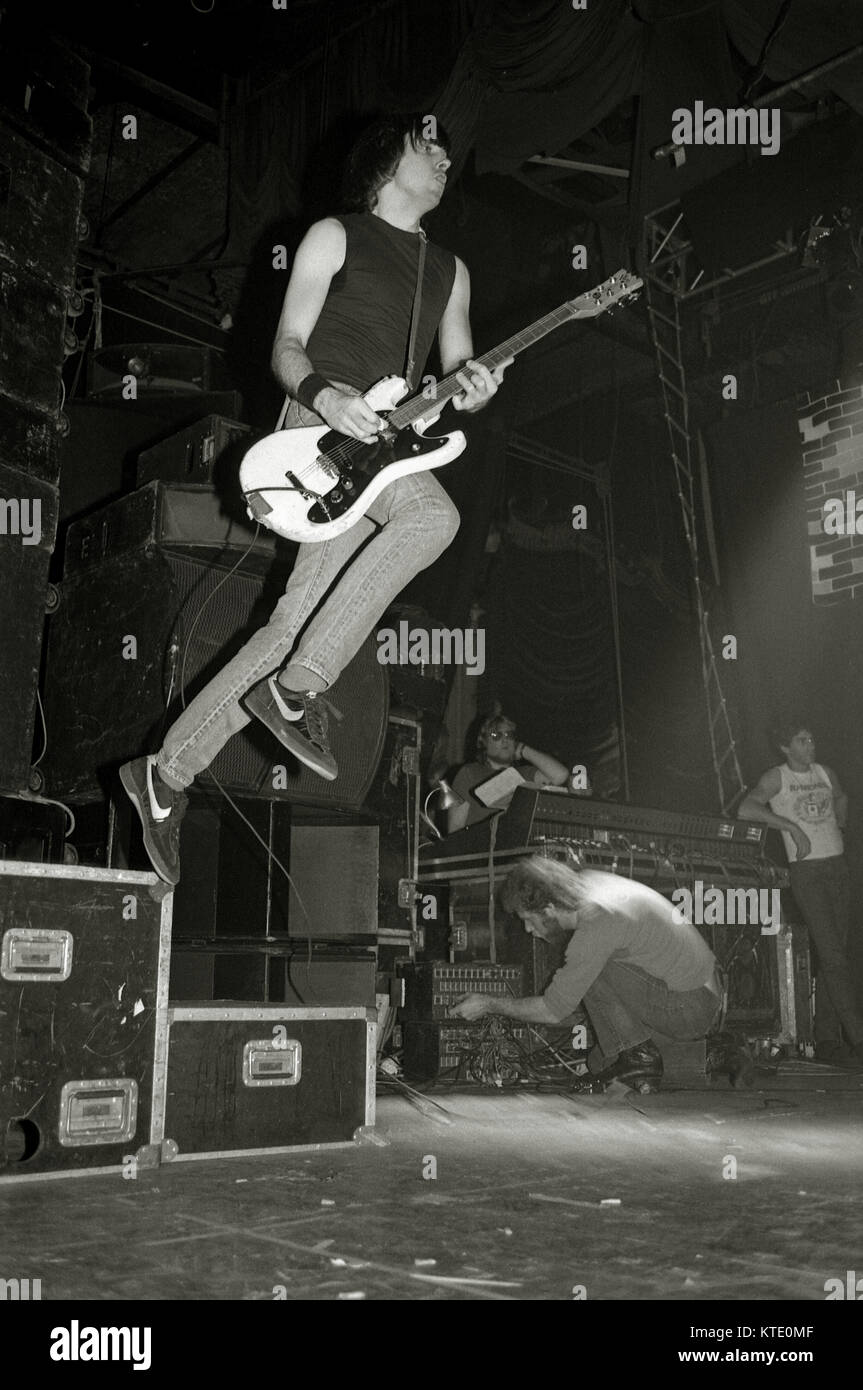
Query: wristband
{"type": "Point", "coordinates": [310, 387]}
{"type": "Point", "coordinates": [519, 753]}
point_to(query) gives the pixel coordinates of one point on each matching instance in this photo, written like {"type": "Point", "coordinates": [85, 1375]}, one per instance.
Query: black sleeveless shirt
{"type": "Point", "coordinates": [362, 331]}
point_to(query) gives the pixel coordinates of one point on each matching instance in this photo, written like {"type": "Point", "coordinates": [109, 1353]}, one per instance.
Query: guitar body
{"type": "Point", "coordinates": [312, 484]}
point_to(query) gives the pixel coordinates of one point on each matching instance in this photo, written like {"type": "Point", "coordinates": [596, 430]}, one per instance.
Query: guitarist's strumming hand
{"type": "Point", "coordinates": [479, 385]}
{"type": "Point", "coordinates": [349, 414]}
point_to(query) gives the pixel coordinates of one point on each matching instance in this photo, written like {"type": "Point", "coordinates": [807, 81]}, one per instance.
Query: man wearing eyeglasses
{"type": "Point", "coordinates": [498, 747]}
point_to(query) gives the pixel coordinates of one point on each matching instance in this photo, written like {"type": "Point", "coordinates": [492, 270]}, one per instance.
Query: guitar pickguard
{"type": "Point", "coordinates": [366, 462]}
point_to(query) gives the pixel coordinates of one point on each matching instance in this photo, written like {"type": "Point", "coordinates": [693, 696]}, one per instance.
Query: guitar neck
{"type": "Point", "coordinates": [418, 407]}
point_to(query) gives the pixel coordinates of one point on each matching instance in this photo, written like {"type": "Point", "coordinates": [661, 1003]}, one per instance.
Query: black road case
{"type": "Point", "coordinates": [248, 1079]}
{"type": "Point", "coordinates": [84, 956]}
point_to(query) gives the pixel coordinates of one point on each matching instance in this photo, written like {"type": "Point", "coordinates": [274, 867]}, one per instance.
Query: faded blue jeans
{"type": "Point", "coordinates": [337, 591]}
{"type": "Point", "coordinates": [626, 1006]}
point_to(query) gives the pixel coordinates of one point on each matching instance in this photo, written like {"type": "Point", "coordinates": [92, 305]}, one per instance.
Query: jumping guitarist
{"type": "Point", "coordinates": [351, 312]}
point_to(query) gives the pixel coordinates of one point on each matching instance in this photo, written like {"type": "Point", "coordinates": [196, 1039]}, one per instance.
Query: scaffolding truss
{"type": "Point", "coordinates": [672, 260]}
{"type": "Point", "coordinates": [669, 277]}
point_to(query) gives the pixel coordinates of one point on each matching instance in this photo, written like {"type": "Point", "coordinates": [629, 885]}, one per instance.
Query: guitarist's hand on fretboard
{"type": "Point", "coordinates": [349, 414]}
{"type": "Point", "coordinates": [479, 385]}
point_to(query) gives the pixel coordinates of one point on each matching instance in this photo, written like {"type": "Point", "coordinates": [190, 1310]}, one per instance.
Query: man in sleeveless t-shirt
{"type": "Point", "coordinates": [345, 324]}
{"type": "Point", "coordinates": [804, 800]}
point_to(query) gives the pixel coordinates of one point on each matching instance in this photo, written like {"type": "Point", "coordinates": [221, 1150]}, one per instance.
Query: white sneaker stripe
{"type": "Point", "coordinates": [159, 813]}
{"type": "Point", "coordinates": [292, 715]}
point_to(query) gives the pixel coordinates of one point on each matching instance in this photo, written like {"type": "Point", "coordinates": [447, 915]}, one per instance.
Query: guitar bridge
{"type": "Point", "coordinates": [298, 487]}
{"type": "Point", "coordinates": [308, 495]}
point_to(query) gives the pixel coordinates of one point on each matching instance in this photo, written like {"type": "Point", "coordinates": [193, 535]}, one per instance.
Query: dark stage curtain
{"type": "Point", "coordinates": [448, 588]}
{"type": "Point", "coordinates": [550, 643]}
{"type": "Point", "coordinates": [811, 32]}
{"type": "Point", "coordinates": [533, 77]}
{"type": "Point", "coordinates": [395, 59]}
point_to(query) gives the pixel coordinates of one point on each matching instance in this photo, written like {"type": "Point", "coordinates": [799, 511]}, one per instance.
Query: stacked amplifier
{"type": "Point", "coordinates": [98, 1072]}
{"type": "Point", "coordinates": [44, 156]}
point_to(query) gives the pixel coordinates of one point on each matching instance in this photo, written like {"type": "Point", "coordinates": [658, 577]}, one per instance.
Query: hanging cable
{"type": "Point", "coordinates": [271, 856]}
{"type": "Point", "coordinates": [769, 41]}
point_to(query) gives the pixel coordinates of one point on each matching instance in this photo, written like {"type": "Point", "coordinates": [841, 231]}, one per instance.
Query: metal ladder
{"type": "Point", "coordinates": [663, 310]}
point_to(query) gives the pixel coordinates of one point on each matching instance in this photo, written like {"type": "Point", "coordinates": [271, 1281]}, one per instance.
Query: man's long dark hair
{"type": "Point", "coordinates": [376, 154]}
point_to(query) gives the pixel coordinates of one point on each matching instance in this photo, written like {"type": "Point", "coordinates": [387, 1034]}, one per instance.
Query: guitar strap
{"type": "Point", "coordinates": [280, 423]}
{"type": "Point", "coordinates": [415, 318]}
{"type": "Point", "coordinates": [415, 313]}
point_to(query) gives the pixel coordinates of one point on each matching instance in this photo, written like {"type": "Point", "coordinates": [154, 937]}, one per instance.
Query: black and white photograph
{"type": "Point", "coordinates": [431, 579]}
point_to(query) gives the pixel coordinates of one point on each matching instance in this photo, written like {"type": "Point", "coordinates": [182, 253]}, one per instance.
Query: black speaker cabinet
{"type": "Point", "coordinates": [40, 204]}
{"type": "Point", "coordinates": [191, 519]}
{"type": "Point", "coordinates": [99, 458]}
{"type": "Point", "coordinates": [43, 91]}
{"type": "Point", "coordinates": [32, 325]}
{"type": "Point", "coordinates": [126, 638]}
{"type": "Point", "coordinates": [242, 931]}
{"type": "Point", "coordinates": [28, 524]}
{"type": "Point", "coordinates": [30, 441]}
{"type": "Point", "coordinates": [32, 831]}
{"type": "Point", "coordinates": [233, 889]}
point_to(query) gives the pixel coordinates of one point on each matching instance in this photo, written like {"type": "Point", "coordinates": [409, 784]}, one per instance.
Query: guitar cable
{"type": "Point", "coordinates": [272, 857]}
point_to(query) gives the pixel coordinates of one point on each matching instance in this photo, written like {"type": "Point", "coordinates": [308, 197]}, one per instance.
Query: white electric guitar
{"type": "Point", "coordinates": [311, 484]}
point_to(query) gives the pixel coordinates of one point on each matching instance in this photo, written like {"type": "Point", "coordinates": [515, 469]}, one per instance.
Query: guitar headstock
{"type": "Point", "coordinates": [617, 289]}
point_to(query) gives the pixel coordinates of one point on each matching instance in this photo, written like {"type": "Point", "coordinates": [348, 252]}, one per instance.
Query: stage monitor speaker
{"type": "Point", "coordinates": [125, 639]}
{"type": "Point", "coordinates": [159, 369]}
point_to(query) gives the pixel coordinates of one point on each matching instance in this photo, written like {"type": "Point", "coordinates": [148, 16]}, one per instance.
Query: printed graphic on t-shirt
{"type": "Point", "coordinates": [811, 804]}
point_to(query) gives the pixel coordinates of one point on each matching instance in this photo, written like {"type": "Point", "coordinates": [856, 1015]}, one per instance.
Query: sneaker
{"type": "Point", "coordinates": [638, 1067]}
{"type": "Point", "coordinates": [160, 823]}
{"type": "Point", "coordinates": [299, 720]}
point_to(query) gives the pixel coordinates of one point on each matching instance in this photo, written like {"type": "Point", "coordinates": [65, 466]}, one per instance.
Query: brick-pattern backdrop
{"type": "Point", "coordinates": [831, 431]}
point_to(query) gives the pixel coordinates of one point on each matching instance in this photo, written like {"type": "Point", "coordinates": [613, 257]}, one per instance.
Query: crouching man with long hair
{"type": "Point", "coordinates": [631, 962]}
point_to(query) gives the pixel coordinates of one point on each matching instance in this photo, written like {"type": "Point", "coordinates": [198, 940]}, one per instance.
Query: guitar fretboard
{"type": "Point", "coordinates": [416, 408]}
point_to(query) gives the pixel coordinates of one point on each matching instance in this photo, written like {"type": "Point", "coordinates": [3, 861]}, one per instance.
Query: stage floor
{"type": "Point", "coordinates": [536, 1197]}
